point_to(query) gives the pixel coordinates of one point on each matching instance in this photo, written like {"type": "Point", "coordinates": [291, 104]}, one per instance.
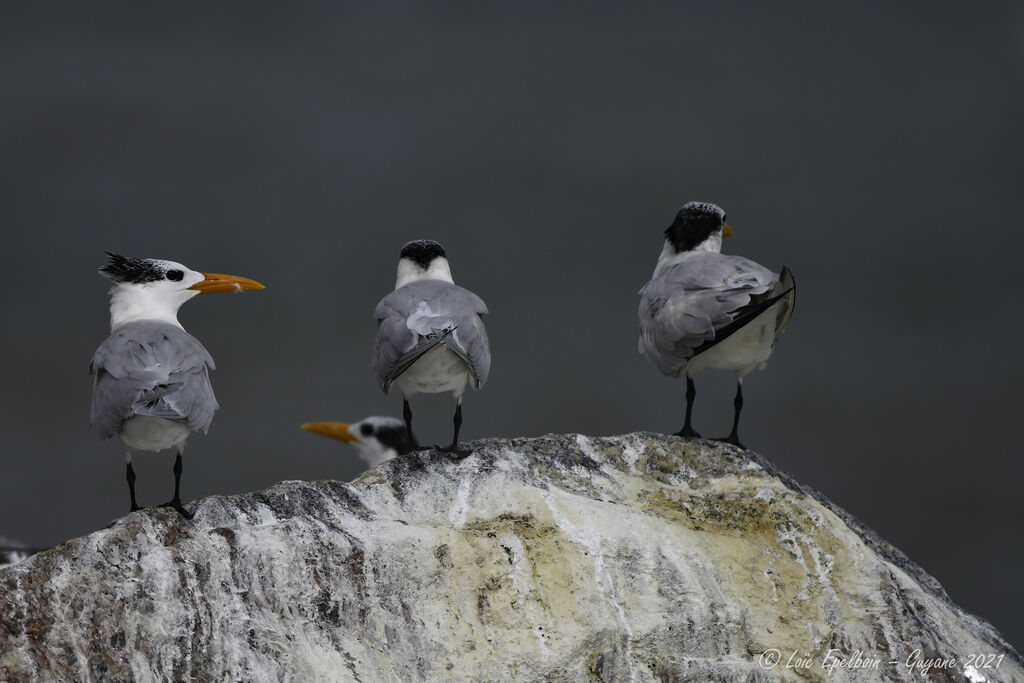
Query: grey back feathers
{"type": "Point", "coordinates": [422, 314]}
{"type": "Point", "coordinates": [696, 295]}
{"type": "Point", "coordinates": [152, 368]}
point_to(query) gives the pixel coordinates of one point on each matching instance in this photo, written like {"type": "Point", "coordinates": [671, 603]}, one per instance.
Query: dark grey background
{"type": "Point", "coordinates": [875, 149]}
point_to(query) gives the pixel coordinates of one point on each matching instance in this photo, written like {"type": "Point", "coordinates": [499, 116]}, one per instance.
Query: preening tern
{"type": "Point", "coordinates": [151, 383]}
{"type": "Point", "coordinates": [430, 333]}
{"type": "Point", "coordinates": [706, 310]}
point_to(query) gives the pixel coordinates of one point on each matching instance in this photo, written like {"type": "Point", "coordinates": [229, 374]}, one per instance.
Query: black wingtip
{"type": "Point", "coordinates": [755, 308]}
{"type": "Point", "coordinates": [786, 275]}
{"type": "Point", "coordinates": [787, 283]}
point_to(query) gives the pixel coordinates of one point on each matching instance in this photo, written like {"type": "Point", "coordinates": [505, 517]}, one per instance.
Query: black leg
{"type": "Point", "coordinates": [131, 486]}
{"type": "Point", "coordinates": [407, 414]}
{"type": "Point", "coordinates": [453, 449]}
{"type": "Point", "coordinates": [176, 501]}
{"type": "Point", "coordinates": [691, 393]}
{"type": "Point", "coordinates": [737, 406]}
{"type": "Point", "coordinates": [177, 479]}
{"type": "Point", "coordinates": [457, 423]}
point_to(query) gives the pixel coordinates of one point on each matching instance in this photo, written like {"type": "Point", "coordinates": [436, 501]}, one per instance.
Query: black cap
{"type": "Point", "coordinates": [132, 270]}
{"type": "Point", "coordinates": [395, 436]}
{"type": "Point", "coordinates": [422, 251]}
{"type": "Point", "coordinates": [694, 223]}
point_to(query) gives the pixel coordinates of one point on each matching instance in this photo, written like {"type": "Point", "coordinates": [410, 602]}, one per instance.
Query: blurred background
{"type": "Point", "coordinates": [876, 149]}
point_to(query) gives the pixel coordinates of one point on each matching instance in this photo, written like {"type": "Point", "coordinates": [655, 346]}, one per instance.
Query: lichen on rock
{"type": "Point", "coordinates": [564, 557]}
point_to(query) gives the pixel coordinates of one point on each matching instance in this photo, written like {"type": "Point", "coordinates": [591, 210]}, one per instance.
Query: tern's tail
{"type": "Point", "coordinates": [426, 343]}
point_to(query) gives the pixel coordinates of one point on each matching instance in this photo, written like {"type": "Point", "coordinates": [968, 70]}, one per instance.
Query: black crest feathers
{"type": "Point", "coordinates": [131, 270]}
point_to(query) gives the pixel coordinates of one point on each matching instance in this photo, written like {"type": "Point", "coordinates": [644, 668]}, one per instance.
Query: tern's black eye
{"type": "Point", "coordinates": [175, 275]}
{"type": "Point", "coordinates": [723, 218]}
{"type": "Point", "coordinates": [366, 430]}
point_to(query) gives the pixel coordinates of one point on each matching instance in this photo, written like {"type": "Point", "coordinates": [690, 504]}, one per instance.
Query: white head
{"type": "Point", "coordinates": [422, 260]}
{"type": "Point", "coordinates": [154, 289]}
{"type": "Point", "coordinates": [375, 439]}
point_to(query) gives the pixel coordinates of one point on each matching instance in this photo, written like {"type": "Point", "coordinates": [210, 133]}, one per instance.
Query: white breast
{"type": "Point", "coordinates": [145, 433]}
{"type": "Point", "coordinates": [744, 351]}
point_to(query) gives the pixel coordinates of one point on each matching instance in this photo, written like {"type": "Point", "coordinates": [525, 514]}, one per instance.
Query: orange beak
{"type": "Point", "coordinates": [334, 430]}
{"type": "Point", "coordinates": [726, 230]}
{"type": "Point", "coordinates": [215, 282]}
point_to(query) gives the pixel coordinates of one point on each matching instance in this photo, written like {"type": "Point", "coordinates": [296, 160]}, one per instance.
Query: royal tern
{"type": "Point", "coordinates": [151, 385]}
{"type": "Point", "coordinates": [706, 310]}
{"type": "Point", "coordinates": [430, 333]}
{"type": "Point", "coordinates": [375, 439]}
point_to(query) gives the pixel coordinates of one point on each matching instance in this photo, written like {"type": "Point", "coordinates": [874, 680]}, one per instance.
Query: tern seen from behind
{"type": "Point", "coordinates": [706, 310]}
{"type": "Point", "coordinates": [430, 333]}
{"type": "Point", "coordinates": [151, 381]}
{"type": "Point", "coordinates": [375, 438]}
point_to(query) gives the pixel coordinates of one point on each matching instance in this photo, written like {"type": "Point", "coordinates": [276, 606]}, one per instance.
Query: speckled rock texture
{"type": "Point", "coordinates": [567, 558]}
{"type": "Point", "coordinates": [12, 551]}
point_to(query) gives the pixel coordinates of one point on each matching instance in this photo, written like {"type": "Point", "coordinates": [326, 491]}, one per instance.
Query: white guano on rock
{"type": "Point", "coordinates": [640, 557]}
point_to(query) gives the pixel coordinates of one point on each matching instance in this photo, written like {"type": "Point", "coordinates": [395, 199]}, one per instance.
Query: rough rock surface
{"type": "Point", "coordinates": [12, 551]}
{"type": "Point", "coordinates": [640, 557]}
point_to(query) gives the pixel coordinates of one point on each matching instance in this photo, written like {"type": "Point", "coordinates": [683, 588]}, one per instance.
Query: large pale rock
{"type": "Point", "coordinates": [640, 557]}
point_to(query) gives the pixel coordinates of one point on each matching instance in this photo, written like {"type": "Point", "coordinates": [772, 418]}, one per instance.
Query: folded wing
{"type": "Point", "coordinates": [693, 300]}
{"type": "Point", "coordinates": [423, 314]}
{"type": "Point", "coordinates": [151, 368]}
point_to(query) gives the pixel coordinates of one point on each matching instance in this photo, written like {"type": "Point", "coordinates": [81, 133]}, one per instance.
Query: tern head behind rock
{"type": "Point", "coordinates": [154, 289]}
{"type": "Point", "coordinates": [375, 439]}
{"type": "Point", "coordinates": [699, 226]}
{"type": "Point", "coordinates": [422, 260]}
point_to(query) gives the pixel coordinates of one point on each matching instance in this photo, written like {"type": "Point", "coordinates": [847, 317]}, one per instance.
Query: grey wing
{"type": "Point", "coordinates": [469, 340]}
{"type": "Point", "coordinates": [687, 303]}
{"type": "Point", "coordinates": [395, 342]}
{"type": "Point", "coordinates": [155, 369]}
{"type": "Point", "coordinates": [423, 314]}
